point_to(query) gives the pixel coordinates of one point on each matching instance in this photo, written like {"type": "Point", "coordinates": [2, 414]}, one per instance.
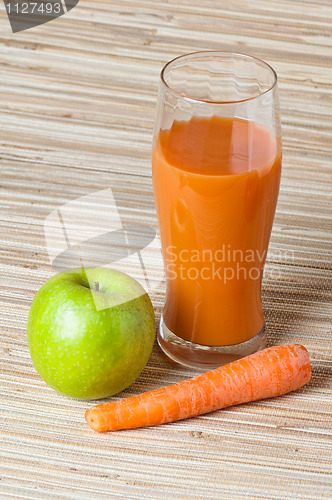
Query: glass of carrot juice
{"type": "Point", "coordinates": [216, 166]}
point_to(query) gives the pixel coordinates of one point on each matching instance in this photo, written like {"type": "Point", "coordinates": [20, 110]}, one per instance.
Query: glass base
{"type": "Point", "coordinates": [206, 357]}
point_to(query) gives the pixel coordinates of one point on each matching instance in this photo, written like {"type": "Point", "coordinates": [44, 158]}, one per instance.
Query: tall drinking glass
{"type": "Point", "coordinates": [216, 166]}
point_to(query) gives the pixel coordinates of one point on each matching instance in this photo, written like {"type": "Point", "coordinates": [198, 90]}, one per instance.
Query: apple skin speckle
{"type": "Point", "coordinates": [85, 352]}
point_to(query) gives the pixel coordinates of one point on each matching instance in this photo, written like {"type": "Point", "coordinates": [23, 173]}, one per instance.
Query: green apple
{"type": "Point", "coordinates": [90, 332]}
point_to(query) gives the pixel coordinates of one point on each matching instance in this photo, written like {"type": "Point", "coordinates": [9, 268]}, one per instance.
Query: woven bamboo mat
{"type": "Point", "coordinates": [77, 108]}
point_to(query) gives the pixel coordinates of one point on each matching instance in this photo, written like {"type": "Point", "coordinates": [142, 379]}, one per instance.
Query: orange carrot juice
{"type": "Point", "coordinates": [216, 183]}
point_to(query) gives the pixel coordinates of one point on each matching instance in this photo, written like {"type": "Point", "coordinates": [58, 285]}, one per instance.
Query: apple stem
{"type": "Point", "coordinates": [97, 286]}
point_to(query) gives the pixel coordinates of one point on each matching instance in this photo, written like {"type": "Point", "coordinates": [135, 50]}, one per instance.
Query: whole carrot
{"type": "Point", "coordinates": [265, 374]}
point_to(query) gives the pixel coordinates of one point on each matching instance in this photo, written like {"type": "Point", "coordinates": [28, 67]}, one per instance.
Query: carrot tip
{"type": "Point", "coordinates": [96, 420]}
{"type": "Point", "coordinates": [91, 421]}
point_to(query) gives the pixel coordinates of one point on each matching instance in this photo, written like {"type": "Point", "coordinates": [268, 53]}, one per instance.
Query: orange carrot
{"type": "Point", "coordinates": [265, 374]}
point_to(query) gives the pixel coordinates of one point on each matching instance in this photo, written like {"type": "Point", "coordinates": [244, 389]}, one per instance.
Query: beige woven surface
{"type": "Point", "coordinates": [77, 108]}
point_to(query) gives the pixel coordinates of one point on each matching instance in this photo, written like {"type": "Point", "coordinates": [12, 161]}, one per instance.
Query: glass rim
{"type": "Point", "coordinates": [223, 52]}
